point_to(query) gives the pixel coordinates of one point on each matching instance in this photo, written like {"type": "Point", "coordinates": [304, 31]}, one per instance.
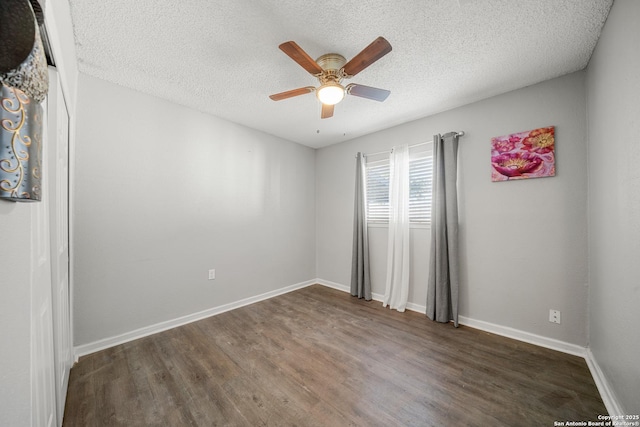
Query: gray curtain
{"type": "Point", "coordinates": [442, 289]}
{"type": "Point", "coordinates": [360, 280]}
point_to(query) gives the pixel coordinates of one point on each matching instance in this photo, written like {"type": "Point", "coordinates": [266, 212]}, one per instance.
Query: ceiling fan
{"type": "Point", "coordinates": [331, 69]}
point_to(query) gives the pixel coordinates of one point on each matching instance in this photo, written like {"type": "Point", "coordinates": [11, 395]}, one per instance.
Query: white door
{"type": "Point", "coordinates": [43, 397]}
{"type": "Point", "coordinates": [58, 176]}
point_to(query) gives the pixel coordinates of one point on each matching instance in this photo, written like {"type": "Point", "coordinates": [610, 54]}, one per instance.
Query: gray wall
{"type": "Point", "coordinates": [613, 86]}
{"type": "Point", "coordinates": [163, 194]}
{"type": "Point", "coordinates": [524, 243]}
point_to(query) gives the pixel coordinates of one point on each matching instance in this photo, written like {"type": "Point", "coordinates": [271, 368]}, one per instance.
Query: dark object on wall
{"type": "Point", "coordinates": [20, 146]}
{"type": "Point", "coordinates": [38, 10]}
{"type": "Point", "coordinates": [23, 64]}
{"type": "Point", "coordinates": [17, 23]}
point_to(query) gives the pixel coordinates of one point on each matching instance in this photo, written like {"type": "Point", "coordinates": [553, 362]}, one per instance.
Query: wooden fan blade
{"type": "Point", "coordinates": [291, 93]}
{"type": "Point", "coordinates": [296, 53]}
{"type": "Point", "coordinates": [370, 54]}
{"type": "Point", "coordinates": [327, 111]}
{"type": "Point", "coordinates": [367, 92]}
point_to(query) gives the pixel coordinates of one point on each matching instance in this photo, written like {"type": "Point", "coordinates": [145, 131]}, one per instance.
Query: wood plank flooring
{"type": "Point", "coordinates": [319, 357]}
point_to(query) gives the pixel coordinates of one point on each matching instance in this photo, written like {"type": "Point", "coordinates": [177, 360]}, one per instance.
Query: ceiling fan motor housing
{"type": "Point", "coordinates": [331, 61]}
{"type": "Point", "coordinates": [332, 64]}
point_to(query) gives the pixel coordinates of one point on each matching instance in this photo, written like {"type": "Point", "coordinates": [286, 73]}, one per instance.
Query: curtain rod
{"type": "Point", "coordinates": [461, 133]}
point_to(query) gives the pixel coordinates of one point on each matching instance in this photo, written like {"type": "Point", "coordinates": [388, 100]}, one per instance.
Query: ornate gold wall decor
{"type": "Point", "coordinates": [20, 146]}
{"type": "Point", "coordinates": [24, 82]}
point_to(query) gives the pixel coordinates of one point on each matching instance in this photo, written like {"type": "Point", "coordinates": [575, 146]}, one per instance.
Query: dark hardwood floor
{"type": "Point", "coordinates": [319, 357]}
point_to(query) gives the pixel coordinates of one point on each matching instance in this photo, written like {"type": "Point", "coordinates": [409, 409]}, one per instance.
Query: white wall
{"type": "Point", "coordinates": [523, 243]}
{"type": "Point", "coordinates": [613, 87]}
{"type": "Point", "coordinates": [15, 310]}
{"type": "Point", "coordinates": [165, 193]}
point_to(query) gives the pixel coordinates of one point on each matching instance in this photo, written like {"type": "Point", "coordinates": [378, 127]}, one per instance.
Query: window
{"type": "Point", "coordinates": [378, 191]}
{"type": "Point", "coordinates": [377, 175]}
{"type": "Point", "coordinates": [420, 170]}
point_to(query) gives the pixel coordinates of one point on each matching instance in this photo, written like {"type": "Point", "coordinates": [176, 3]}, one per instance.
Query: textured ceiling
{"type": "Point", "coordinates": [222, 57]}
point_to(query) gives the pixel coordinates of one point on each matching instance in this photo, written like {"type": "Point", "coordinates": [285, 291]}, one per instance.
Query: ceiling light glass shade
{"type": "Point", "coordinates": [330, 93]}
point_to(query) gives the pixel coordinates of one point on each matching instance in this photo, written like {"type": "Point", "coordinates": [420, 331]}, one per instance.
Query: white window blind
{"type": "Point", "coordinates": [377, 173]}
{"type": "Point", "coordinates": [378, 191]}
{"type": "Point", "coordinates": [420, 170]}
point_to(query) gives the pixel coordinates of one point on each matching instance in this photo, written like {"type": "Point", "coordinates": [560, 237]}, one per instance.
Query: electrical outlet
{"type": "Point", "coordinates": [554, 316]}
{"type": "Point", "coordinates": [212, 274]}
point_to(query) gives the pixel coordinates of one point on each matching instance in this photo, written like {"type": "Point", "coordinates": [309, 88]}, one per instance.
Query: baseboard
{"type": "Point", "coordinates": [527, 337]}
{"type": "Point", "coordinates": [516, 334]}
{"type": "Point", "coordinates": [375, 296]}
{"type": "Point", "coordinates": [606, 392]}
{"type": "Point", "coordinates": [333, 285]}
{"type": "Point", "coordinates": [105, 343]}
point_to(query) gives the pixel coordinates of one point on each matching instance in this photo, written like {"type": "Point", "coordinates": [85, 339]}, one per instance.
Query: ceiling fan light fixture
{"type": "Point", "coordinates": [330, 93]}
{"type": "Point", "coordinates": [331, 69]}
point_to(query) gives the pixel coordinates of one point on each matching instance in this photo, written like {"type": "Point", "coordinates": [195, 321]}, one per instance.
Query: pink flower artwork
{"type": "Point", "coordinates": [523, 155]}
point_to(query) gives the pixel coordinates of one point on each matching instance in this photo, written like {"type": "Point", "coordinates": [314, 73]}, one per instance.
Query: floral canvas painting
{"type": "Point", "coordinates": [522, 155]}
